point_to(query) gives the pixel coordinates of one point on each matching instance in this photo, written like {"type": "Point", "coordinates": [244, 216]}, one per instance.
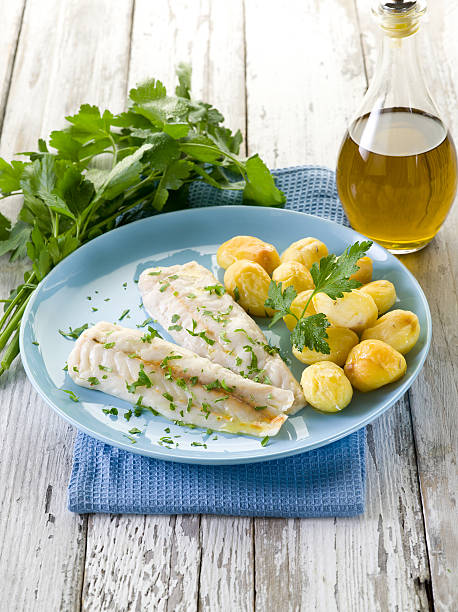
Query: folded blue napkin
{"type": "Point", "coordinates": [329, 481]}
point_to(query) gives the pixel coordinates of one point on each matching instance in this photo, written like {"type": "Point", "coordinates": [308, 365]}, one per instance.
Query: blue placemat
{"type": "Point", "coordinates": [325, 482]}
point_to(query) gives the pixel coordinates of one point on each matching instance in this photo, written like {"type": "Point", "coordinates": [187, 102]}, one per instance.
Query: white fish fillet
{"type": "Point", "coordinates": [176, 295]}
{"type": "Point", "coordinates": [177, 383]}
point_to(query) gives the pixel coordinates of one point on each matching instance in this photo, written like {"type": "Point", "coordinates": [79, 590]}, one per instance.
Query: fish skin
{"type": "Point", "coordinates": [234, 414]}
{"type": "Point", "coordinates": [180, 289]}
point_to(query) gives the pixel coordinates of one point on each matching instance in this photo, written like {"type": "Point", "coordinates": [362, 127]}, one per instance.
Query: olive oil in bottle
{"type": "Point", "coordinates": [397, 177]}
{"type": "Point", "coordinates": [397, 166]}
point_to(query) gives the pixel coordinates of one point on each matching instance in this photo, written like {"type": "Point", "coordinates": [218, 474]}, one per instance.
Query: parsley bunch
{"type": "Point", "coordinates": [105, 170]}
{"type": "Point", "coordinates": [331, 276]}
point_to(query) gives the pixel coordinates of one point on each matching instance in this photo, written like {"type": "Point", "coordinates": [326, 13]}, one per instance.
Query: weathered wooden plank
{"type": "Point", "coordinates": [11, 19]}
{"type": "Point", "coordinates": [142, 563]}
{"type": "Point", "coordinates": [375, 562]}
{"type": "Point", "coordinates": [434, 396]}
{"type": "Point", "coordinates": [59, 64]}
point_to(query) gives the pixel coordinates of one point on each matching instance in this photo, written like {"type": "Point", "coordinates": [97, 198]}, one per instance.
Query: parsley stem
{"type": "Point", "coordinates": [12, 351]}
{"type": "Point", "coordinates": [13, 323]}
{"type": "Point", "coordinates": [16, 300]}
{"type": "Point", "coordinates": [9, 195]}
{"type": "Point", "coordinates": [308, 302]}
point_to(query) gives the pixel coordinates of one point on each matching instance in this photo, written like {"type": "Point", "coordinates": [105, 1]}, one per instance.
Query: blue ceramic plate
{"type": "Point", "coordinates": [77, 292]}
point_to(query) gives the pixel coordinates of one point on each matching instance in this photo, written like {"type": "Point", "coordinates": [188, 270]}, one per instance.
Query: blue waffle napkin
{"type": "Point", "coordinates": [326, 482]}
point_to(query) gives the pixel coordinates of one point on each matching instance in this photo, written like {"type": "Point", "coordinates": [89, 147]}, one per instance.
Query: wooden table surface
{"type": "Point", "coordinates": [289, 75]}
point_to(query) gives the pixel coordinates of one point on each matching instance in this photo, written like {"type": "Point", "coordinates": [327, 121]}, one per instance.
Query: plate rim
{"type": "Point", "coordinates": [199, 457]}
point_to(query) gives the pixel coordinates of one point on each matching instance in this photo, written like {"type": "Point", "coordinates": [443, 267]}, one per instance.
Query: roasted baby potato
{"type": "Point", "coordinates": [297, 306]}
{"type": "Point", "coordinates": [306, 251]}
{"type": "Point", "coordinates": [293, 273]}
{"type": "Point", "coordinates": [372, 364]}
{"type": "Point", "coordinates": [248, 283]}
{"type": "Point", "coordinates": [340, 339]}
{"type": "Point", "coordinates": [326, 387]}
{"type": "Point", "coordinates": [250, 248]}
{"type": "Point", "coordinates": [382, 292]}
{"type": "Point", "coordinates": [364, 274]}
{"type": "Point", "coordinates": [398, 328]}
{"type": "Point", "coordinates": [354, 310]}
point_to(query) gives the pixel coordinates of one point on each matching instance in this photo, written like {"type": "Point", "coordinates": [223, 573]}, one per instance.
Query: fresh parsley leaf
{"type": "Point", "coordinates": [279, 300]}
{"type": "Point", "coordinates": [311, 333]}
{"type": "Point", "coordinates": [72, 395]}
{"type": "Point", "coordinates": [73, 334]}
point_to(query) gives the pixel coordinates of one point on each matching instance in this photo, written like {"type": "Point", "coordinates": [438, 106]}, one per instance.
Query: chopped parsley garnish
{"type": "Point", "coordinates": [193, 380]}
{"type": "Point", "coordinates": [222, 398]}
{"type": "Point", "coordinates": [199, 444]}
{"type": "Point", "coordinates": [124, 314]}
{"type": "Point", "coordinates": [164, 287]}
{"type": "Point", "coordinates": [201, 334]}
{"type": "Point", "coordinates": [224, 337]}
{"type": "Point", "coordinates": [65, 368]}
{"type": "Point", "coordinates": [112, 410]}
{"type": "Point", "coordinates": [249, 338]}
{"type": "Point", "coordinates": [72, 395]}
{"type": "Point", "coordinates": [135, 430]}
{"type": "Point", "coordinates": [180, 382]}
{"type": "Point", "coordinates": [128, 414]}
{"type": "Point", "coordinates": [226, 387]}
{"type": "Point", "coordinates": [94, 309]}
{"type": "Point", "coordinates": [75, 369]}
{"type": "Point", "coordinates": [188, 407]}
{"type": "Point", "coordinates": [109, 345]}
{"type": "Point", "coordinates": [165, 361]}
{"type": "Point", "coordinates": [74, 333]}
{"type": "Point", "coordinates": [172, 406]}
{"type": "Point", "coordinates": [218, 289]}
{"type": "Point", "coordinates": [131, 438]}
{"type": "Point", "coordinates": [168, 396]}
{"type": "Point", "coordinates": [264, 441]}
{"type": "Point", "coordinates": [213, 385]}
{"type": "Point", "coordinates": [142, 381]}
{"type": "Point", "coordinates": [36, 343]}
{"type": "Point", "coordinates": [106, 300]}
{"type": "Point", "coordinates": [105, 368]}
{"type": "Point", "coordinates": [133, 356]}
{"type": "Point", "coordinates": [206, 409]}
{"type": "Point", "coordinates": [260, 407]}
{"type": "Point", "coordinates": [124, 285]}
{"type": "Point", "coordinates": [175, 318]}
{"type": "Point", "coordinates": [253, 367]}
{"type": "Point", "coordinates": [104, 377]}
{"type": "Point", "coordinates": [236, 294]}
{"type": "Point", "coordinates": [209, 432]}
{"type": "Point", "coordinates": [93, 380]}
{"type": "Point", "coordinates": [150, 335]}
{"type": "Point", "coordinates": [238, 361]}
{"type": "Point", "coordinates": [173, 277]}
{"type": "Point", "coordinates": [154, 273]}
{"type": "Point", "coordinates": [145, 322]}
{"type": "Point", "coordinates": [191, 296]}
{"type": "Point", "coordinates": [175, 328]}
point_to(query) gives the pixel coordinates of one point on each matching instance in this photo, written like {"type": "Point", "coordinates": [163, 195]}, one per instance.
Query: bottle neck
{"type": "Point", "coordinates": [398, 81]}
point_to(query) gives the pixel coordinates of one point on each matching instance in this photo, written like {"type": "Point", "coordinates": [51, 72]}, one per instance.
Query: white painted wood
{"type": "Point", "coordinates": [434, 397]}
{"type": "Point", "coordinates": [208, 35]}
{"type": "Point", "coordinates": [304, 78]}
{"type": "Point", "coordinates": [59, 64]}
{"type": "Point", "coordinates": [142, 563]}
{"type": "Point", "coordinates": [227, 566]}
{"type": "Point", "coordinates": [11, 19]}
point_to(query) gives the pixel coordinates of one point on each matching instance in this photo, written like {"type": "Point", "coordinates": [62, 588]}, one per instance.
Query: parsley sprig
{"type": "Point", "coordinates": [331, 276]}
{"type": "Point", "coordinates": [160, 145]}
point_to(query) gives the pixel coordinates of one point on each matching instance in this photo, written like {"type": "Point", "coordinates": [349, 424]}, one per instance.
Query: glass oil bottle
{"type": "Point", "coordinates": [397, 166]}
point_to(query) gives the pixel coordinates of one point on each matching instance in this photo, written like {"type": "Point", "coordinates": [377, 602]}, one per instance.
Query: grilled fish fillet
{"type": "Point", "coordinates": [184, 300]}
{"type": "Point", "coordinates": [180, 385]}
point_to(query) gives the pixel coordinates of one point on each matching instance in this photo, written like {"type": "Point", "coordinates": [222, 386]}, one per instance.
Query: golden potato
{"type": "Point", "coordinates": [354, 310]}
{"type": "Point", "coordinates": [293, 273]}
{"type": "Point", "coordinates": [306, 251]}
{"type": "Point", "coordinates": [364, 274]}
{"type": "Point", "coordinates": [382, 292]}
{"type": "Point", "coordinates": [297, 306]}
{"type": "Point", "coordinates": [372, 364]}
{"type": "Point", "coordinates": [326, 387]}
{"type": "Point", "coordinates": [250, 248]}
{"type": "Point", "coordinates": [398, 328]}
{"type": "Point", "coordinates": [252, 283]}
{"type": "Point", "coordinates": [340, 339]}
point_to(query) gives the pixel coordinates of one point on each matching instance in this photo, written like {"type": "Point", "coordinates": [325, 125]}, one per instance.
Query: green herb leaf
{"type": "Point", "coordinates": [311, 333]}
